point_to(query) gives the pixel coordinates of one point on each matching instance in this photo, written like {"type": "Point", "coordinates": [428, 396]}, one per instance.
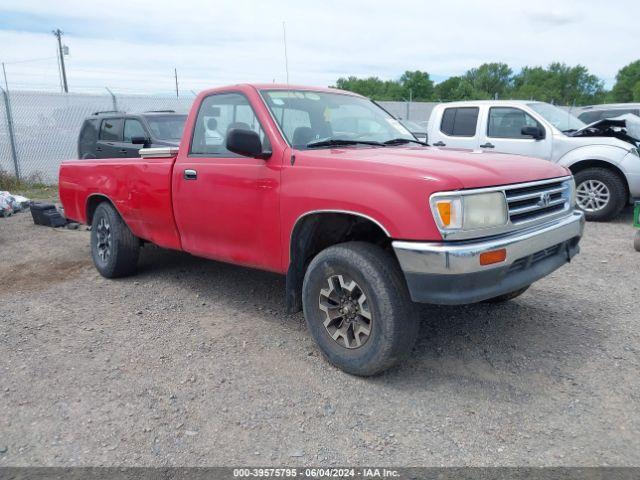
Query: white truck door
{"type": "Point", "coordinates": [503, 132]}
{"type": "Point", "coordinates": [455, 127]}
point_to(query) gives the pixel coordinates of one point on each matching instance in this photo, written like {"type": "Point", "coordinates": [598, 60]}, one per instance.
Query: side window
{"type": "Point", "coordinates": [89, 132]}
{"type": "Point", "coordinates": [460, 121]}
{"type": "Point", "coordinates": [507, 122]}
{"type": "Point", "coordinates": [111, 129]}
{"type": "Point", "coordinates": [291, 120]}
{"type": "Point", "coordinates": [133, 128]}
{"type": "Point", "coordinates": [217, 115]}
{"type": "Point", "coordinates": [88, 137]}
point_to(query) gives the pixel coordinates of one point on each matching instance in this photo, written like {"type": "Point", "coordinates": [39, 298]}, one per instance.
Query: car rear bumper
{"type": "Point", "coordinates": [450, 273]}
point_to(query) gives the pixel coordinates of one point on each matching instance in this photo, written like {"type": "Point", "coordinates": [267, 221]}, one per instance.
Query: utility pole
{"type": "Point", "coordinates": [7, 106]}
{"type": "Point", "coordinates": [58, 34]}
{"type": "Point", "coordinates": [4, 72]}
{"type": "Point", "coordinates": [175, 73]}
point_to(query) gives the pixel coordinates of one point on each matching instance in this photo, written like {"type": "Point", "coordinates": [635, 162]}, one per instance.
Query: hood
{"type": "Point", "coordinates": [460, 167]}
{"type": "Point", "coordinates": [624, 127]}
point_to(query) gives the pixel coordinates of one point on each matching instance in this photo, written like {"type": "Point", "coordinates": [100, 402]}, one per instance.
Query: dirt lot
{"type": "Point", "coordinates": [195, 362]}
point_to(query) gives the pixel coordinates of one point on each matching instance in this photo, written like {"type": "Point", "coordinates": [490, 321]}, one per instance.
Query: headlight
{"type": "Point", "coordinates": [635, 151]}
{"type": "Point", "coordinates": [470, 212]}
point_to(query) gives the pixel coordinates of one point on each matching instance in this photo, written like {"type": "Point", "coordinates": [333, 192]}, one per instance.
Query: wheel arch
{"type": "Point", "coordinates": [593, 163]}
{"type": "Point", "coordinates": [316, 230]}
{"type": "Point", "coordinates": [93, 201]}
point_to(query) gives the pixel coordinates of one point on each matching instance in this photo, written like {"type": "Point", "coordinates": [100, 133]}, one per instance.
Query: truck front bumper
{"type": "Point", "coordinates": [450, 273]}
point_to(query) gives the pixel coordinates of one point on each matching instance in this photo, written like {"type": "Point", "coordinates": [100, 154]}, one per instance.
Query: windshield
{"type": "Point", "coordinates": [167, 127]}
{"type": "Point", "coordinates": [561, 119]}
{"type": "Point", "coordinates": [413, 126]}
{"type": "Point", "coordinates": [307, 117]}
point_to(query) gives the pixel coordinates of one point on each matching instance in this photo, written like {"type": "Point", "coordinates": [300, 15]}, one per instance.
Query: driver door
{"type": "Point", "coordinates": [503, 134]}
{"type": "Point", "coordinates": [226, 206]}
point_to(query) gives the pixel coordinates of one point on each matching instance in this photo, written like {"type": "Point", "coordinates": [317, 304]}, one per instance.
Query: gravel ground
{"type": "Point", "coordinates": [194, 362]}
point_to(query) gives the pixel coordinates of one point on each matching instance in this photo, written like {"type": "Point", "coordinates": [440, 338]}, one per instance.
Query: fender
{"type": "Point", "coordinates": [349, 212]}
{"type": "Point", "coordinates": [606, 153]}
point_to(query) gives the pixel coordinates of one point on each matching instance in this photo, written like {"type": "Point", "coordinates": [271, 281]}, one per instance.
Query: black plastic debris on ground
{"type": "Point", "coordinates": [47, 214]}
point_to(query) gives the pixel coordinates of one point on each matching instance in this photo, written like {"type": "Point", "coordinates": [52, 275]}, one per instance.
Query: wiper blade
{"type": "Point", "coordinates": [331, 142]}
{"type": "Point", "coordinates": [400, 141]}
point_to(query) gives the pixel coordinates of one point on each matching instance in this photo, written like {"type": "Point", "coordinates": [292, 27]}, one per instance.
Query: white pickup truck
{"type": "Point", "coordinates": [603, 156]}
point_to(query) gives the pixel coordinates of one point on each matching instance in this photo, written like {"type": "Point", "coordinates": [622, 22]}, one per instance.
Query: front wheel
{"type": "Point", "coordinates": [114, 248]}
{"type": "Point", "coordinates": [358, 308]}
{"type": "Point", "coordinates": [600, 193]}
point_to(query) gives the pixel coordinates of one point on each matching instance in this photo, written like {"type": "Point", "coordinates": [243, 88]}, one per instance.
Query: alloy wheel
{"type": "Point", "coordinates": [348, 320]}
{"type": "Point", "coordinates": [103, 239]}
{"type": "Point", "coordinates": [592, 195]}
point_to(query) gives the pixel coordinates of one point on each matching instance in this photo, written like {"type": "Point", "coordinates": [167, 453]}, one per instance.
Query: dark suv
{"type": "Point", "coordinates": [118, 134]}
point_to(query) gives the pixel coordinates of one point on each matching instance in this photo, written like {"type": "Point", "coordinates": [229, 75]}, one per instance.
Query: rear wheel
{"type": "Point", "coordinates": [114, 248]}
{"type": "Point", "coordinates": [358, 308]}
{"type": "Point", "coordinates": [600, 193]}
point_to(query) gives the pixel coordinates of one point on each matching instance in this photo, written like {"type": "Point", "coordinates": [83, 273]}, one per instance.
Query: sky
{"type": "Point", "coordinates": [133, 46]}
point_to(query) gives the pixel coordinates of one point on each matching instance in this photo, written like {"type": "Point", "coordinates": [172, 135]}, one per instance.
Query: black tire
{"type": "Point", "coordinates": [507, 296]}
{"type": "Point", "coordinates": [617, 193]}
{"type": "Point", "coordinates": [117, 257]}
{"type": "Point", "coordinates": [393, 321]}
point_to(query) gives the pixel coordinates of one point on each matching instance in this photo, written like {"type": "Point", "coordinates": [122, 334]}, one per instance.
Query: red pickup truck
{"type": "Point", "coordinates": [327, 188]}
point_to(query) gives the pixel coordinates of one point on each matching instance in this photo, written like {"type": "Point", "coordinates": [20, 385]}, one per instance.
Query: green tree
{"type": "Point", "coordinates": [371, 87]}
{"type": "Point", "coordinates": [458, 88]}
{"type": "Point", "coordinates": [627, 86]}
{"type": "Point", "coordinates": [444, 91]}
{"type": "Point", "coordinates": [490, 79]}
{"type": "Point", "coordinates": [559, 83]}
{"type": "Point", "coordinates": [419, 84]}
{"type": "Point", "coordinates": [636, 92]}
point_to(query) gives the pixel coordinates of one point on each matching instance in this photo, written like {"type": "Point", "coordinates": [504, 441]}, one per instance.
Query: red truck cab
{"type": "Point", "coordinates": [327, 188]}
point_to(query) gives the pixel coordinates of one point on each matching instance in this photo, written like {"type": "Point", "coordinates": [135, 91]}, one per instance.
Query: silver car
{"type": "Point", "coordinates": [603, 156]}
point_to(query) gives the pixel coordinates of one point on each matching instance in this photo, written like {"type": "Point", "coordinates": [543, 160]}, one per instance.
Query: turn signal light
{"type": "Point", "coordinates": [444, 209]}
{"type": "Point", "coordinates": [494, 256]}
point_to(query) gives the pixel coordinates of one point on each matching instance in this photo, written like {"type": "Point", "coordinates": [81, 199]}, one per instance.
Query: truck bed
{"type": "Point", "coordinates": [140, 189]}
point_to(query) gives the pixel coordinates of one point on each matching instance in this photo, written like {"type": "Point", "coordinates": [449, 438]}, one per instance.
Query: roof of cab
{"type": "Point", "coordinates": [464, 103]}
{"type": "Point", "coordinates": [278, 86]}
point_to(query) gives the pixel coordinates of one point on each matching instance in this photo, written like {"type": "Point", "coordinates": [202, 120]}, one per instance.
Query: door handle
{"type": "Point", "coordinates": [190, 175]}
{"type": "Point", "coordinates": [487, 145]}
{"type": "Point", "coordinates": [439, 144]}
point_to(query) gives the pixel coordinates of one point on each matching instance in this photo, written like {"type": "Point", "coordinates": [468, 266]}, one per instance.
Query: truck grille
{"type": "Point", "coordinates": [533, 202]}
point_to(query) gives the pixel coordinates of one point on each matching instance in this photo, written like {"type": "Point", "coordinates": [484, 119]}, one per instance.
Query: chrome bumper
{"type": "Point", "coordinates": [450, 272]}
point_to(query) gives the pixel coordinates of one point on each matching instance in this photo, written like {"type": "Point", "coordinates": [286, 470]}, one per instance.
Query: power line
{"type": "Point", "coordinates": [31, 60]}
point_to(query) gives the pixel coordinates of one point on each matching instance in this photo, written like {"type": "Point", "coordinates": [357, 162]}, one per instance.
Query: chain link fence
{"type": "Point", "coordinates": [44, 126]}
{"type": "Point", "coordinates": [38, 130]}
{"type": "Point", "coordinates": [414, 111]}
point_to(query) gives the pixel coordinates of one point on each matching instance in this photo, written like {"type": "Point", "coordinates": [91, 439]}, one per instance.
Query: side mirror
{"type": "Point", "coordinates": [144, 141]}
{"type": "Point", "coordinates": [246, 143]}
{"type": "Point", "coordinates": [535, 132]}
